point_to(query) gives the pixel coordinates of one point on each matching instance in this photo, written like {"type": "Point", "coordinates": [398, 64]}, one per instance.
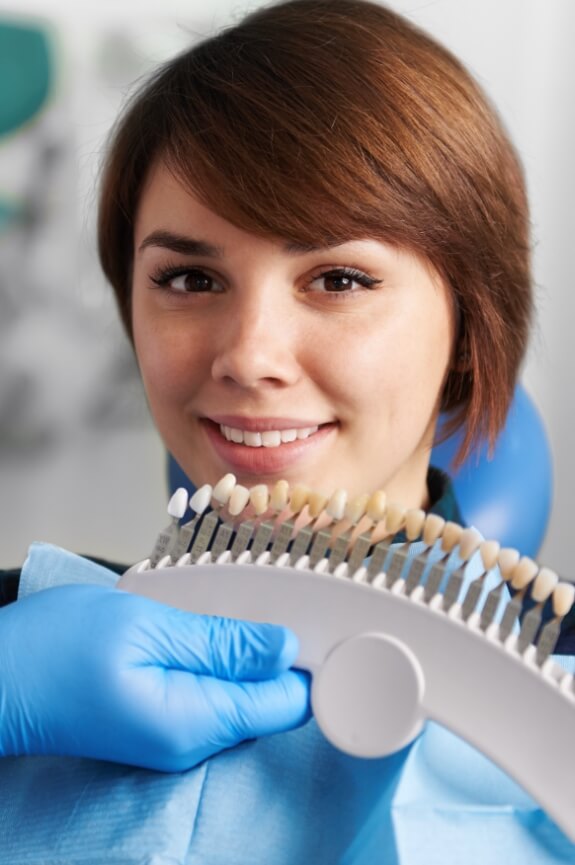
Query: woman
{"type": "Point", "coordinates": [317, 233]}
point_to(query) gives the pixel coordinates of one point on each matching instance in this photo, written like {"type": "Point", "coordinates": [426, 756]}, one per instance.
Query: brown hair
{"type": "Point", "coordinates": [321, 121]}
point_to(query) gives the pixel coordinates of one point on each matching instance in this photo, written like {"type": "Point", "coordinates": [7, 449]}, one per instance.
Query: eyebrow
{"type": "Point", "coordinates": [181, 243]}
{"type": "Point", "coordinates": [192, 246]}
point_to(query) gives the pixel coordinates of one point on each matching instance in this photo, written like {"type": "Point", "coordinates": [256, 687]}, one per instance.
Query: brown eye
{"type": "Point", "coordinates": [193, 281]}
{"type": "Point", "coordinates": [337, 282]}
{"type": "Point", "coordinates": [342, 281]}
{"type": "Point", "coordinates": [187, 281]}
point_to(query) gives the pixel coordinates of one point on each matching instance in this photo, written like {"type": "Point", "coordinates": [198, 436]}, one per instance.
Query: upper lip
{"type": "Point", "coordinates": [262, 424]}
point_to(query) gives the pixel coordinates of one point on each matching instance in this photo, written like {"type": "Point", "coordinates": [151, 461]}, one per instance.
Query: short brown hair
{"type": "Point", "coordinates": [321, 121]}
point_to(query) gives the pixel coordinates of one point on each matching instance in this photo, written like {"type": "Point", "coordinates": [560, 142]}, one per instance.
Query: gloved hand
{"type": "Point", "coordinates": [95, 672]}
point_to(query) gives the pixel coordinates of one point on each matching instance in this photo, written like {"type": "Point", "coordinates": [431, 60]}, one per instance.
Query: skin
{"type": "Point", "coordinates": [265, 341]}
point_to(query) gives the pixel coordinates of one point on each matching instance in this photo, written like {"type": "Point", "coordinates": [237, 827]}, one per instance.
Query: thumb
{"type": "Point", "coordinates": [224, 648]}
{"type": "Point", "coordinates": [254, 709]}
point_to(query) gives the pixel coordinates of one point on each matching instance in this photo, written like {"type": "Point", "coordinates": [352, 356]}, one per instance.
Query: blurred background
{"type": "Point", "coordinates": [80, 463]}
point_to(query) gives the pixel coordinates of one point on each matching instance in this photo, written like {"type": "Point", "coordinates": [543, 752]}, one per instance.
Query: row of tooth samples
{"type": "Point", "coordinates": [357, 538]}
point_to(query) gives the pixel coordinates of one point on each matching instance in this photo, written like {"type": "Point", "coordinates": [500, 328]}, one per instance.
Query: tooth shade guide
{"type": "Point", "coordinates": [310, 597]}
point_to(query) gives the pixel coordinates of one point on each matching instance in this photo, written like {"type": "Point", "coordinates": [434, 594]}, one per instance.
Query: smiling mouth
{"type": "Point", "coordinates": [266, 438]}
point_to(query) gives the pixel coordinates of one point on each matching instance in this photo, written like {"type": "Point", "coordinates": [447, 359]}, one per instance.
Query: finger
{"type": "Point", "coordinates": [273, 706]}
{"type": "Point", "coordinates": [224, 648]}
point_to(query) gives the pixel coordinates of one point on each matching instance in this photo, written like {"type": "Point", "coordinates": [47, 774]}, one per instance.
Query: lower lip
{"type": "Point", "coordinates": [261, 461]}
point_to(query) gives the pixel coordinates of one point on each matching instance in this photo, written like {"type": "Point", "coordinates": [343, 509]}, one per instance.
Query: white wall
{"type": "Point", "coordinates": [520, 50]}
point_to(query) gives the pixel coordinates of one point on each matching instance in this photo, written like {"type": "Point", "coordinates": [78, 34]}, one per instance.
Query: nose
{"type": "Point", "coordinates": [256, 346]}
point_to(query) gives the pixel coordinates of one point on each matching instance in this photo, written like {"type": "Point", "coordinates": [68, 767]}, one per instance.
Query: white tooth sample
{"type": "Point", "coordinates": [394, 517]}
{"type": "Point", "coordinates": [468, 542]}
{"type": "Point", "coordinates": [201, 499]}
{"type": "Point", "coordinates": [543, 585]}
{"type": "Point", "coordinates": [523, 572]}
{"type": "Point", "coordinates": [223, 489]}
{"type": "Point", "coordinates": [507, 559]}
{"type": "Point", "coordinates": [236, 435]}
{"type": "Point", "coordinates": [336, 504]}
{"type": "Point", "coordinates": [238, 500]}
{"type": "Point", "coordinates": [279, 496]}
{"type": "Point", "coordinates": [355, 509]}
{"type": "Point", "coordinates": [259, 497]}
{"type": "Point", "coordinates": [563, 597]}
{"type": "Point", "coordinates": [375, 509]}
{"type": "Point", "coordinates": [253, 439]}
{"type": "Point", "coordinates": [298, 498]}
{"type": "Point", "coordinates": [450, 536]}
{"type": "Point", "coordinates": [432, 528]}
{"type": "Point", "coordinates": [489, 551]}
{"type": "Point", "coordinates": [271, 438]}
{"type": "Point", "coordinates": [178, 503]}
{"type": "Point", "coordinates": [316, 504]}
{"type": "Point", "coordinates": [226, 432]}
{"type": "Point", "coordinates": [414, 520]}
{"type": "Point", "coordinates": [288, 435]}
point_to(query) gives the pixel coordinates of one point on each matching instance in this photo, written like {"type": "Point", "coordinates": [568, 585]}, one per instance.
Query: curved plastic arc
{"type": "Point", "coordinates": [490, 696]}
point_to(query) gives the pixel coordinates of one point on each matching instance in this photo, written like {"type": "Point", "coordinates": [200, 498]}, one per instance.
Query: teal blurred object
{"type": "Point", "coordinates": [508, 496]}
{"type": "Point", "coordinates": [25, 73]}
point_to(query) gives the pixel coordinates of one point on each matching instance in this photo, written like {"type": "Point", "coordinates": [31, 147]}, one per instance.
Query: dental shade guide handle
{"type": "Point", "coordinates": [383, 662]}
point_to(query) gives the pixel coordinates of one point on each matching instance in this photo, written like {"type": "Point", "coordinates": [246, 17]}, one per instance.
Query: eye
{"type": "Point", "coordinates": [342, 280]}
{"type": "Point", "coordinates": [187, 280]}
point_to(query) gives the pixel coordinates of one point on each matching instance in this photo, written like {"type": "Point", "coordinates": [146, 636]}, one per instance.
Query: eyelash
{"type": "Point", "coordinates": [164, 276]}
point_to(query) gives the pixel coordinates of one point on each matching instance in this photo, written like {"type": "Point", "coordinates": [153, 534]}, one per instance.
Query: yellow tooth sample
{"type": "Point", "coordinates": [523, 573]}
{"type": "Point", "coordinates": [238, 500]}
{"type": "Point", "coordinates": [279, 496]}
{"type": "Point", "coordinates": [507, 559]}
{"type": "Point", "coordinates": [394, 517]}
{"type": "Point", "coordinates": [223, 489]}
{"type": "Point", "coordinates": [450, 536]}
{"type": "Point", "coordinates": [316, 504]}
{"type": "Point", "coordinates": [375, 508]}
{"type": "Point", "coordinates": [544, 585]}
{"type": "Point", "coordinates": [298, 498]}
{"type": "Point", "coordinates": [469, 541]}
{"type": "Point", "coordinates": [355, 508]}
{"type": "Point", "coordinates": [414, 520]}
{"type": "Point", "coordinates": [489, 551]}
{"type": "Point", "coordinates": [259, 498]}
{"type": "Point", "coordinates": [432, 529]}
{"type": "Point", "coordinates": [563, 597]}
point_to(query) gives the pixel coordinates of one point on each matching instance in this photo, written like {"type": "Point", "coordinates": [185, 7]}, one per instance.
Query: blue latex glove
{"type": "Point", "coordinates": [94, 672]}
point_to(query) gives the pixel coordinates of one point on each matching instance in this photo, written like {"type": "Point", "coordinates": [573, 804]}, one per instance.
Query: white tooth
{"type": "Point", "coordinates": [236, 435]}
{"type": "Point", "coordinates": [288, 435]}
{"type": "Point", "coordinates": [223, 489]}
{"type": "Point", "coordinates": [201, 499]}
{"type": "Point", "coordinates": [271, 438]}
{"type": "Point", "coordinates": [304, 432]}
{"type": "Point", "coordinates": [336, 505]}
{"type": "Point", "coordinates": [178, 503]}
{"type": "Point", "coordinates": [253, 439]}
{"type": "Point", "coordinates": [238, 500]}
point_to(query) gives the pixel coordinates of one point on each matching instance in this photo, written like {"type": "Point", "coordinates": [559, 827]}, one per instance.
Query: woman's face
{"type": "Point", "coordinates": [321, 366]}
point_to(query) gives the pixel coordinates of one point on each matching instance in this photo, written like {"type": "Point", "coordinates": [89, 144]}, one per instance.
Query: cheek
{"type": "Point", "coordinates": [168, 360]}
